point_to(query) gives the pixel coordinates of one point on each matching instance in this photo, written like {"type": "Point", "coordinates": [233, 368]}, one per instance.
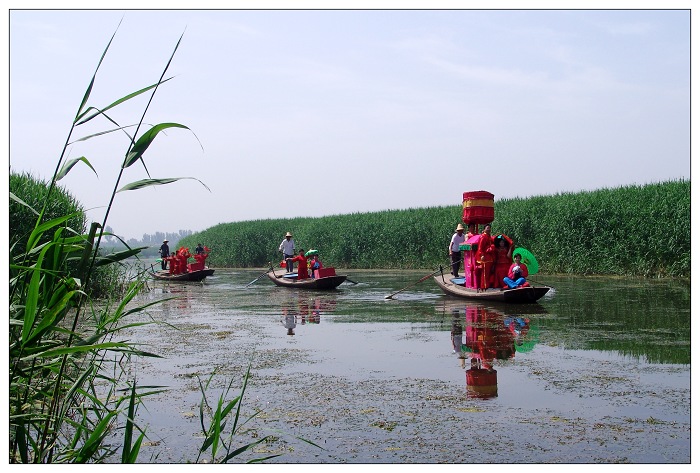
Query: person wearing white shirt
{"type": "Point", "coordinates": [287, 249]}
{"type": "Point", "coordinates": [455, 253]}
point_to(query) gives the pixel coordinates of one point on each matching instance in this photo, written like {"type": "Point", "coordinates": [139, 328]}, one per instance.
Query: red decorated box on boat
{"type": "Point", "coordinates": [324, 272]}
{"type": "Point", "coordinates": [195, 266]}
{"type": "Point", "coordinates": [477, 207]}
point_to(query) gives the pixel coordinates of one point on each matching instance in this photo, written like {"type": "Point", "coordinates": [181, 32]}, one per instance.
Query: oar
{"type": "Point", "coordinates": [263, 274]}
{"type": "Point", "coordinates": [411, 285]}
{"type": "Point", "coordinates": [350, 280]}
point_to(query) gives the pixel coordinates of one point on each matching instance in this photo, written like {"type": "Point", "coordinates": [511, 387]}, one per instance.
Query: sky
{"type": "Point", "coordinates": [310, 112]}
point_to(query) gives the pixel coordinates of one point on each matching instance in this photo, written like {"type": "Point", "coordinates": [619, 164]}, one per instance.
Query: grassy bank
{"type": "Point", "coordinates": [630, 230]}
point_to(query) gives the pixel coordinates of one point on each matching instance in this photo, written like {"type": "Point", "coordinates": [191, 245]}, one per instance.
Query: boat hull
{"type": "Point", "coordinates": [329, 282]}
{"type": "Point", "coordinates": [512, 296]}
{"type": "Point", "coordinates": [192, 276]}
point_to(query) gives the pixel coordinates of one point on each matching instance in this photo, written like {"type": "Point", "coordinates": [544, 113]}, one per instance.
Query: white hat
{"type": "Point", "coordinates": [288, 234]}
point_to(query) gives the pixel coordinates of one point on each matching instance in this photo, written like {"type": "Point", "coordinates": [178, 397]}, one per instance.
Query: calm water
{"type": "Point", "coordinates": [600, 371]}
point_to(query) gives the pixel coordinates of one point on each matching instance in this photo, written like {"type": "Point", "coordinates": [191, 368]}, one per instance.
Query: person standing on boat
{"type": "Point", "coordinates": [164, 253]}
{"type": "Point", "coordinates": [303, 271]}
{"type": "Point", "coordinates": [516, 274]}
{"type": "Point", "coordinates": [199, 249]}
{"type": "Point", "coordinates": [287, 249]}
{"type": "Point", "coordinates": [455, 253]}
{"type": "Point", "coordinates": [484, 258]}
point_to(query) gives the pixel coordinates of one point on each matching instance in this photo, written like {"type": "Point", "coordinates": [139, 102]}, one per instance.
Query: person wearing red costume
{"type": "Point", "coordinates": [302, 268]}
{"type": "Point", "coordinates": [502, 259]}
{"type": "Point", "coordinates": [516, 274]}
{"type": "Point", "coordinates": [484, 259]}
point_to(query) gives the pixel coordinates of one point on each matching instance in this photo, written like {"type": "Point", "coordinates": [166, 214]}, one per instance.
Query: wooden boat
{"type": "Point", "coordinates": [452, 287]}
{"type": "Point", "coordinates": [181, 270]}
{"type": "Point", "coordinates": [190, 276]}
{"type": "Point", "coordinates": [282, 278]}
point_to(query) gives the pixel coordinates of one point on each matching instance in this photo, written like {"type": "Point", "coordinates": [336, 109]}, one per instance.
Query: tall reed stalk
{"type": "Point", "coordinates": [63, 400]}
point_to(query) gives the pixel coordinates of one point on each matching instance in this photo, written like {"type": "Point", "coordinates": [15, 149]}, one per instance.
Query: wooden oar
{"type": "Point", "coordinates": [350, 280]}
{"type": "Point", "coordinates": [411, 285]}
{"type": "Point", "coordinates": [263, 274]}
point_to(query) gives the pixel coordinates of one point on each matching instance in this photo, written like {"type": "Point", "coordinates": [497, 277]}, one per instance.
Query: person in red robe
{"type": "Point", "coordinates": [302, 268]}
{"type": "Point", "coordinates": [484, 259]}
{"type": "Point", "coordinates": [502, 259]}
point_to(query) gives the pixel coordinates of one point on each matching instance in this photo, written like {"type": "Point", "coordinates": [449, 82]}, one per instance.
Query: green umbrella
{"type": "Point", "coordinates": [528, 258]}
{"type": "Point", "coordinates": [315, 252]}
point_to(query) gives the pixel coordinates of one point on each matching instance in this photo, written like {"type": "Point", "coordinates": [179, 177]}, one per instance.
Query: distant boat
{"type": "Point", "coordinates": [190, 276]}
{"type": "Point", "coordinates": [282, 278]}
{"type": "Point", "coordinates": [180, 269]}
{"type": "Point", "coordinates": [455, 287]}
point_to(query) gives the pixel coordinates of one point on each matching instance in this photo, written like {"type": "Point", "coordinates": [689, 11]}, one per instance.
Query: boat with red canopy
{"type": "Point", "coordinates": [481, 259]}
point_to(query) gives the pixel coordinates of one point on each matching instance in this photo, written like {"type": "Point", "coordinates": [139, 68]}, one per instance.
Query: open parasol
{"type": "Point", "coordinates": [528, 258]}
{"type": "Point", "coordinates": [315, 252]}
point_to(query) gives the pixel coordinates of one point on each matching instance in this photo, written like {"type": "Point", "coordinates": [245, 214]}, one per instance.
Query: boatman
{"type": "Point", "coordinates": [287, 250]}
{"type": "Point", "coordinates": [455, 253]}
{"type": "Point", "coordinates": [164, 253]}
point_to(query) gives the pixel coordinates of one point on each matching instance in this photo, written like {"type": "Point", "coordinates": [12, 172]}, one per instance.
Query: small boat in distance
{"type": "Point", "coordinates": [326, 279]}
{"type": "Point", "coordinates": [189, 276]}
{"type": "Point", "coordinates": [182, 271]}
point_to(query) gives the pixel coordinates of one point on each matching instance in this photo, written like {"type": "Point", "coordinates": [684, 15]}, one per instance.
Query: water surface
{"type": "Point", "coordinates": [602, 374]}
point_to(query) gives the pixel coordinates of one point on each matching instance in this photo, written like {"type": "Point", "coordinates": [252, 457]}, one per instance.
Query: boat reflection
{"type": "Point", "coordinates": [480, 336]}
{"type": "Point", "coordinates": [306, 310]}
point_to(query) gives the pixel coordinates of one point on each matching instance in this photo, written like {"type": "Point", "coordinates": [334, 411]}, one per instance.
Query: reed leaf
{"type": "Point", "coordinates": [69, 165]}
{"type": "Point", "coordinates": [84, 118]}
{"type": "Point", "coordinates": [156, 182]}
{"type": "Point", "coordinates": [145, 141]}
{"type": "Point", "coordinates": [21, 202]}
{"type": "Point", "coordinates": [88, 91]}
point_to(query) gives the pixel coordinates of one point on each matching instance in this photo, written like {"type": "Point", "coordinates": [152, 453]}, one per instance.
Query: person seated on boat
{"type": "Point", "coordinates": [314, 264]}
{"type": "Point", "coordinates": [302, 269]}
{"type": "Point", "coordinates": [516, 274]}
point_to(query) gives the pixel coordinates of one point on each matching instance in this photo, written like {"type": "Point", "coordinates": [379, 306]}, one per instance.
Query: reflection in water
{"type": "Point", "coordinates": [305, 310]}
{"type": "Point", "coordinates": [488, 335]}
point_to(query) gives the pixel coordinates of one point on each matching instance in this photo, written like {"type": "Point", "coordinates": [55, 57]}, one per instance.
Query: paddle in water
{"type": "Point", "coordinates": [411, 285]}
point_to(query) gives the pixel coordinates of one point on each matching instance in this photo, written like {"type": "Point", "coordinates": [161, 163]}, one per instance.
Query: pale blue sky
{"type": "Point", "coordinates": [311, 113]}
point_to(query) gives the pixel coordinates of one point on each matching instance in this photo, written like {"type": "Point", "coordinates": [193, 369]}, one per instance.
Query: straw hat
{"type": "Point", "coordinates": [459, 227]}
{"type": "Point", "coordinates": [288, 234]}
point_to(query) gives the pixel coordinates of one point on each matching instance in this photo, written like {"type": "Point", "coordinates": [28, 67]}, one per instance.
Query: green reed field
{"type": "Point", "coordinates": [631, 230]}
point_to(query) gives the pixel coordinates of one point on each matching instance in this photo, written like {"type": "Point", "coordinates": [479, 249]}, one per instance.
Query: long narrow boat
{"type": "Point", "coordinates": [190, 276]}
{"type": "Point", "coordinates": [282, 278]}
{"type": "Point", "coordinates": [452, 287]}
